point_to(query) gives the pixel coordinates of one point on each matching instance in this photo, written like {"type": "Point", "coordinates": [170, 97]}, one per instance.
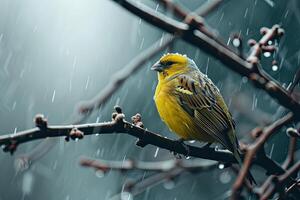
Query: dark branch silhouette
{"type": "Point", "coordinates": [145, 137]}
{"type": "Point", "coordinates": [190, 33]}
{"type": "Point", "coordinates": [281, 179]}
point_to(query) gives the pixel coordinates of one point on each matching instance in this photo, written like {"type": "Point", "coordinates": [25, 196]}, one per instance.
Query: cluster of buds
{"type": "Point", "coordinates": [11, 147]}
{"type": "Point", "coordinates": [40, 121]}
{"type": "Point", "coordinates": [137, 120]}
{"type": "Point", "coordinates": [266, 44]}
{"type": "Point", "coordinates": [75, 134]}
{"type": "Point", "coordinates": [118, 115]}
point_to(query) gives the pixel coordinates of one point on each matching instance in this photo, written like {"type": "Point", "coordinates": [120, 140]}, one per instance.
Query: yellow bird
{"type": "Point", "coordinates": [191, 105]}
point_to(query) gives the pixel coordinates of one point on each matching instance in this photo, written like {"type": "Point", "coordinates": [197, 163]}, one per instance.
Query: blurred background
{"type": "Point", "coordinates": [57, 53]}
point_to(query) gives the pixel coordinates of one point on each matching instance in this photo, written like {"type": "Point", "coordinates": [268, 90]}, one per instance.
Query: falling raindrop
{"type": "Point", "coordinates": [225, 177]}
{"type": "Point", "coordinates": [14, 105]}
{"type": "Point", "coordinates": [55, 165]}
{"type": "Point", "coordinates": [267, 54]}
{"type": "Point", "coordinates": [271, 151]}
{"type": "Point", "coordinates": [221, 166]}
{"type": "Point", "coordinates": [286, 14]}
{"type": "Point", "coordinates": [53, 96]}
{"type": "Point", "coordinates": [169, 184]}
{"type": "Point", "coordinates": [142, 43]}
{"type": "Point", "coordinates": [98, 152]}
{"type": "Point", "coordinates": [27, 183]}
{"type": "Point", "coordinates": [274, 68]}
{"type": "Point", "coordinates": [254, 102]}
{"type": "Point", "coordinates": [207, 65]}
{"type": "Point", "coordinates": [87, 83]}
{"type": "Point", "coordinates": [236, 42]}
{"type": "Point", "coordinates": [270, 42]}
{"type": "Point", "coordinates": [156, 152]}
{"type": "Point", "coordinates": [244, 79]}
{"type": "Point", "coordinates": [228, 41]}
{"type": "Point", "coordinates": [270, 3]}
{"type": "Point", "coordinates": [99, 173]}
{"type": "Point", "coordinates": [246, 12]}
{"type": "Point", "coordinates": [126, 196]}
{"type": "Point", "coordinates": [157, 6]}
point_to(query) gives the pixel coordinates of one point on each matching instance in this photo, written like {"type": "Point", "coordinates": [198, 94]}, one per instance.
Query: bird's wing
{"type": "Point", "coordinates": [201, 99]}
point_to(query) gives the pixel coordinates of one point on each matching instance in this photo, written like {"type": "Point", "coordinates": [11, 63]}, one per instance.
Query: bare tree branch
{"type": "Point", "coordinates": [290, 159]}
{"type": "Point", "coordinates": [133, 188]}
{"type": "Point", "coordinates": [164, 171]}
{"type": "Point", "coordinates": [119, 78]}
{"type": "Point", "coordinates": [281, 181]}
{"type": "Point", "coordinates": [199, 24]}
{"type": "Point", "coordinates": [125, 165]}
{"type": "Point", "coordinates": [189, 33]}
{"type": "Point", "coordinates": [10, 142]}
{"type": "Point", "coordinates": [253, 150]}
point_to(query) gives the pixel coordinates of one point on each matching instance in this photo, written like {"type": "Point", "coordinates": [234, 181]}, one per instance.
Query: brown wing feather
{"type": "Point", "coordinates": [202, 100]}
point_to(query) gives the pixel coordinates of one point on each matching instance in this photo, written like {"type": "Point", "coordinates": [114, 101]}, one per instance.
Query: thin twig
{"type": "Point", "coordinates": [165, 171]}
{"type": "Point", "coordinates": [189, 33]}
{"type": "Point", "coordinates": [259, 47]}
{"type": "Point", "coordinates": [118, 125]}
{"type": "Point", "coordinates": [167, 165]}
{"type": "Point", "coordinates": [290, 159]}
{"type": "Point", "coordinates": [197, 16]}
{"type": "Point", "coordinates": [253, 149]}
{"type": "Point", "coordinates": [280, 182]}
{"type": "Point", "coordinates": [133, 188]}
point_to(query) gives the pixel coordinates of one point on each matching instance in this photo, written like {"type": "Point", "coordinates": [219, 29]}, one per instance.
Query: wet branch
{"type": "Point", "coordinates": [118, 125]}
{"type": "Point", "coordinates": [192, 29]}
{"type": "Point", "coordinates": [163, 171]}
{"type": "Point", "coordinates": [122, 75]}
{"type": "Point", "coordinates": [279, 183]}
{"type": "Point", "coordinates": [127, 165]}
{"type": "Point", "coordinates": [189, 32]}
{"type": "Point", "coordinates": [257, 150]}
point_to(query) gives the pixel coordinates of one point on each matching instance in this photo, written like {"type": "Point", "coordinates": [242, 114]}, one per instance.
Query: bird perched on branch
{"type": "Point", "coordinates": [191, 105]}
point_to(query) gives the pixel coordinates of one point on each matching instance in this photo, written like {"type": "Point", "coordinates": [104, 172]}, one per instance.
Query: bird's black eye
{"type": "Point", "coordinates": [168, 63]}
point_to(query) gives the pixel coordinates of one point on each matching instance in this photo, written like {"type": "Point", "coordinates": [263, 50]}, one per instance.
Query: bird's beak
{"type": "Point", "coordinates": [157, 67]}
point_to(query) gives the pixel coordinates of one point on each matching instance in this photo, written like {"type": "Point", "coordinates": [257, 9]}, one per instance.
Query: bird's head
{"type": "Point", "coordinates": [172, 64]}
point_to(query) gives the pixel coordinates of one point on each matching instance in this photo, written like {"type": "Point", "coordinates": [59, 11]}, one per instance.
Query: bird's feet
{"type": "Point", "coordinates": [180, 142]}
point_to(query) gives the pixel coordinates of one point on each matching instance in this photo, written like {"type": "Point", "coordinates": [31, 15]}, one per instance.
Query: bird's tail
{"type": "Point", "coordinates": [236, 153]}
{"type": "Point", "coordinates": [238, 156]}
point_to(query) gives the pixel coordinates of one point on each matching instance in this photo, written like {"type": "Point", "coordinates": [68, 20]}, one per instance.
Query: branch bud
{"type": "Point", "coordinates": [137, 120]}
{"type": "Point", "coordinates": [40, 121]}
{"type": "Point", "coordinates": [264, 30]}
{"type": "Point", "coordinates": [292, 132]}
{"type": "Point", "coordinates": [75, 134]}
